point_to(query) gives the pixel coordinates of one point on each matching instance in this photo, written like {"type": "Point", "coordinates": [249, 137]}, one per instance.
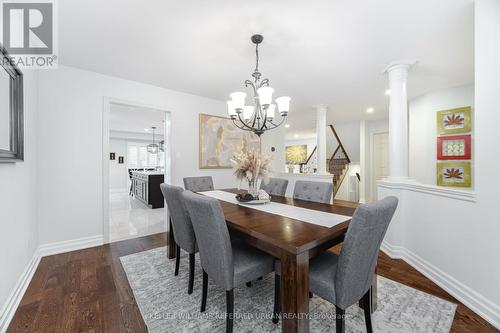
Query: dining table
{"type": "Point", "coordinates": [291, 240]}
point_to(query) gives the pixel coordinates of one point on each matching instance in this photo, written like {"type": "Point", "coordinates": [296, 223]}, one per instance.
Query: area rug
{"type": "Point", "coordinates": [166, 306]}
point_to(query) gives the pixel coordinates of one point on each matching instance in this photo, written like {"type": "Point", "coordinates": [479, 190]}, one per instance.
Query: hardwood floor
{"type": "Point", "coordinates": [88, 291]}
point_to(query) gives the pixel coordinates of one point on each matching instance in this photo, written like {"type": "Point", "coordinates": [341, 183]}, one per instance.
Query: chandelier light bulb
{"type": "Point", "coordinates": [230, 110]}
{"type": "Point", "coordinates": [265, 95]}
{"type": "Point", "coordinates": [238, 99]}
{"type": "Point", "coordinates": [248, 111]}
{"type": "Point", "coordinates": [270, 111]}
{"type": "Point", "coordinates": [283, 104]}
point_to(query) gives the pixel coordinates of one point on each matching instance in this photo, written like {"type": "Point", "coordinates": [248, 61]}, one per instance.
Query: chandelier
{"type": "Point", "coordinates": [261, 116]}
{"type": "Point", "coordinates": [153, 148]}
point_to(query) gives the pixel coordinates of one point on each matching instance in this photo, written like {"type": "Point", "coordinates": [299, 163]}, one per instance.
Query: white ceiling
{"type": "Point", "coordinates": [132, 119]}
{"type": "Point", "coordinates": [328, 51]}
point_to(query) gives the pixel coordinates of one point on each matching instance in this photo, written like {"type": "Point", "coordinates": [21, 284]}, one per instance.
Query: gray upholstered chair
{"type": "Point", "coordinates": [313, 191]}
{"type": "Point", "coordinates": [275, 186]}
{"type": "Point", "coordinates": [228, 264]}
{"type": "Point", "coordinates": [182, 228]}
{"type": "Point", "coordinates": [199, 184]}
{"type": "Point", "coordinates": [347, 278]}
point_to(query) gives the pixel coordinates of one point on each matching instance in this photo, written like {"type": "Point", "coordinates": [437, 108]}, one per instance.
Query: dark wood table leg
{"type": "Point", "coordinates": [171, 242]}
{"type": "Point", "coordinates": [295, 292]}
{"type": "Point", "coordinates": [373, 294]}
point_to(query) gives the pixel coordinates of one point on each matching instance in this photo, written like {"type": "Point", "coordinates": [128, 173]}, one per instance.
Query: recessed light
{"type": "Point", "coordinates": [146, 129]}
{"type": "Point", "coordinates": [296, 136]}
{"type": "Point", "coordinates": [370, 110]}
{"type": "Point", "coordinates": [287, 125]}
{"type": "Point", "coordinates": [387, 92]}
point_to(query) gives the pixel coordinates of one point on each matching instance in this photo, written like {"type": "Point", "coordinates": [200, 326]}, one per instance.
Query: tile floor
{"type": "Point", "coordinates": [130, 218]}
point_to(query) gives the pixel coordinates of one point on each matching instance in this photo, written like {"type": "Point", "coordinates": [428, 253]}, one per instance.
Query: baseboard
{"type": "Point", "coordinates": [470, 298]}
{"type": "Point", "coordinates": [11, 304]}
{"type": "Point", "coordinates": [70, 245]}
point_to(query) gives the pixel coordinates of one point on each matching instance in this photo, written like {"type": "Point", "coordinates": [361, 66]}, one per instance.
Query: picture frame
{"type": "Point", "coordinates": [454, 121]}
{"type": "Point", "coordinates": [112, 156]}
{"type": "Point", "coordinates": [220, 139]}
{"type": "Point", "coordinates": [454, 174]}
{"type": "Point", "coordinates": [454, 147]}
{"type": "Point", "coordinates": [121, 159]}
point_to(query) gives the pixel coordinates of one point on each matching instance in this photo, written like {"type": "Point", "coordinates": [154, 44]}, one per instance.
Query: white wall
{"type": "Point", "coordinates": [422, 128]}
{"type": "Point", "coordinates": [18, 198]}
{"type": "Point", "coordinates": [118, 173]}
{"type": "Point", "coordinates": [452, 235]}
{"type": "Point", "coordinates": [70, 145]}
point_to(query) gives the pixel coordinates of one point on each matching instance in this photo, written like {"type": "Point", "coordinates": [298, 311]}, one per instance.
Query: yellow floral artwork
{"type": "Point", "coordinates": [456, 174]}
{"type": "Point", "coordinates": [296, 154]}
{"type": "Point", "coordinates": [454, 121]}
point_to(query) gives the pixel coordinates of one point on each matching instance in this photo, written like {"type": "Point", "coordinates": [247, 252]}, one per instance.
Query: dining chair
{"type": "Point", "coordinates": [313, 191]}
{"type": "Point", "coordinates": [346, 278]}
{"type": "Point", "coordinates": [182, 229]}
{"type": "Point", "coordinates": [275, 186]}
{"type": "Point", "coordinates": [228, 264]}
{"type": "Point", "coordinates": [199, 184]}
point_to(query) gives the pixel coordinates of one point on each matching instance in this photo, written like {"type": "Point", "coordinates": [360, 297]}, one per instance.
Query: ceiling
{"type": "Point", "coordinates": [133, 119]}
{"type": "Point", "coordinates": [329, 51]}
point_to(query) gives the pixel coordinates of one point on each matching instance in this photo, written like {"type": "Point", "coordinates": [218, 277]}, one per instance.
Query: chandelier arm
{"type": "Point", "coordinates": [241, 127]}
{"type": "Point", "coordinates": [264, 82]}
{"type": "Point", "coordinates": [277, 125]}
{"type": "Point", "coordinates": [250, 83]}
{"type": "Point", "coordinates": [243, 123]}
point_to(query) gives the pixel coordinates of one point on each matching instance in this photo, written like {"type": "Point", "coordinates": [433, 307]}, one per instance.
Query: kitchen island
{"type": "Point", "coordinates": [146, 188]}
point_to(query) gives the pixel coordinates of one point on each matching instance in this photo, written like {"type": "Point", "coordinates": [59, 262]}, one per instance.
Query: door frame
{"type": "Point", "coordinates": [107, 101]}
{"type": "Point", "coordinates": [372, 187]}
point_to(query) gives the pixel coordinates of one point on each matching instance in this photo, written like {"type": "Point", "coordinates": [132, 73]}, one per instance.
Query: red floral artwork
{"type": "Point", "coordinates": [453, 173]}
{"type": "Point", "coordinates": [454, 120]}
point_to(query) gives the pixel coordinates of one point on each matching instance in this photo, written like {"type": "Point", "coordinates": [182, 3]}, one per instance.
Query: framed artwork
{"type": "Point", "coordinates": [112, 156]}
{"type": "Point", "coordinates": [454, 121]}
{"type": "Point", "coordinates": [456, 147]}
{"type": "Point", "coordinates": [296, 154]}
{"type": "Point", "coordinates": [456, 174]}
{"type": "Point", "coordinates": [120, 159]}
{"type": "Point", "coordinates": [219, 140]}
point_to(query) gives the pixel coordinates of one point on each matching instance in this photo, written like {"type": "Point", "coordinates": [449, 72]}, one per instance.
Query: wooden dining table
{"type": "Point", "coordinates": [293, 242]}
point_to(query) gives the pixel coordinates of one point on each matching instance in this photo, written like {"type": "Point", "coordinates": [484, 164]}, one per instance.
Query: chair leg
{"type": "Point", "coordinates": [204, 292]}
{"type": "Point", "coordinates": [367, 308]}
{"type": "Point", "coordinates": [339, 320]}
{"type": "Point", "coordinates": [191, 273]}
{"type": "Point", "coordinates": [311, 295]}
{"type": "Point", "coordinates": [177, 259]}
{"type": "Point", "coordinates": [230, 310]}
{"type": "Point", "coordinates": [277, 287]}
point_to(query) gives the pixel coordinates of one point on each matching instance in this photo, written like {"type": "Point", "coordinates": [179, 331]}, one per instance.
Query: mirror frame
{"type": "Point", "coordinates": [16, 151]}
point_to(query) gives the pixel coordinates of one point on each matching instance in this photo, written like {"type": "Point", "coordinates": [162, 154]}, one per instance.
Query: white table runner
{"type": "Point", "coordinates": [297, 213]}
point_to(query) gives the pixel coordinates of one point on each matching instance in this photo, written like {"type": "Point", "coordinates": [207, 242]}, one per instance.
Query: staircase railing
{"type": "Point", "coordinates": [338, 164]}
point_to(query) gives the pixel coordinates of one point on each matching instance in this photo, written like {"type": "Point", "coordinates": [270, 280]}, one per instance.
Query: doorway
{"type": "Point", "coordinates": [136, 160]}
{"type": "Point", "coordinates": [380, 161]}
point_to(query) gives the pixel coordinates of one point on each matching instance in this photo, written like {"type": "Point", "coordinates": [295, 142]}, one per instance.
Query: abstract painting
{"type": "Point", "coordinates": [219, 139]}
{"type": "Point", "coordinates": [454, 121]}
{"type": "Point", "coordinates": [296, 154]}
{"type": "Point", "coordinates": [456, 174]}
{"type": "Point", "coordinates": [456, 147]}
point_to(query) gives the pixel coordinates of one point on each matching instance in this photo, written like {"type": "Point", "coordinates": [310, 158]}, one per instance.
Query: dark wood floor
{"type": "Point", "coordinates": [88, 291]}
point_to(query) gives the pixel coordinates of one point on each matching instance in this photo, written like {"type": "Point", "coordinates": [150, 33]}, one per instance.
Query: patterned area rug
{"type": "Point", "coordinates": [166, 306]}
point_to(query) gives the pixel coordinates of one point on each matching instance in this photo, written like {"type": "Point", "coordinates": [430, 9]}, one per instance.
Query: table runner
{"type": "Point", "coordinates": [297, 213]}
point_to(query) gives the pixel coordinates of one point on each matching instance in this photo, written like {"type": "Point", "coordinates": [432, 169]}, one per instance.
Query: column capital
{"type": "Point", "coordinates": [399, 65]}
{"type": "Point", "coordinates": [321, 107]}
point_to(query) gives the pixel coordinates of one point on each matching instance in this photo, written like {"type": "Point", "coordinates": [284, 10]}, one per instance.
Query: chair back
{"type": "Point", "coordinates": [313, 191]}
{"type": "Point", "coordinates": [198, 184]}
{"type": "Point", "coordinates": [181, 223]}
{"type": "Point", "coordinates": [358, 256]}
{"type": "Point", "coordinates": [214, 243]}
{"type": "Point", "coordinates": [275, 186]}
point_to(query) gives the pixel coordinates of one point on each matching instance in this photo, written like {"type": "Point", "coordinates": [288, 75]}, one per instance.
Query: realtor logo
{"type": "Point", "coordinates": [28, 33]}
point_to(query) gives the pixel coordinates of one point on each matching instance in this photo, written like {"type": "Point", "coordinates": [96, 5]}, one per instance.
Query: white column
{"type": "Point", "coordinates": [321, 138]}
{"type": "Point", "coordinates": [398, 120]}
